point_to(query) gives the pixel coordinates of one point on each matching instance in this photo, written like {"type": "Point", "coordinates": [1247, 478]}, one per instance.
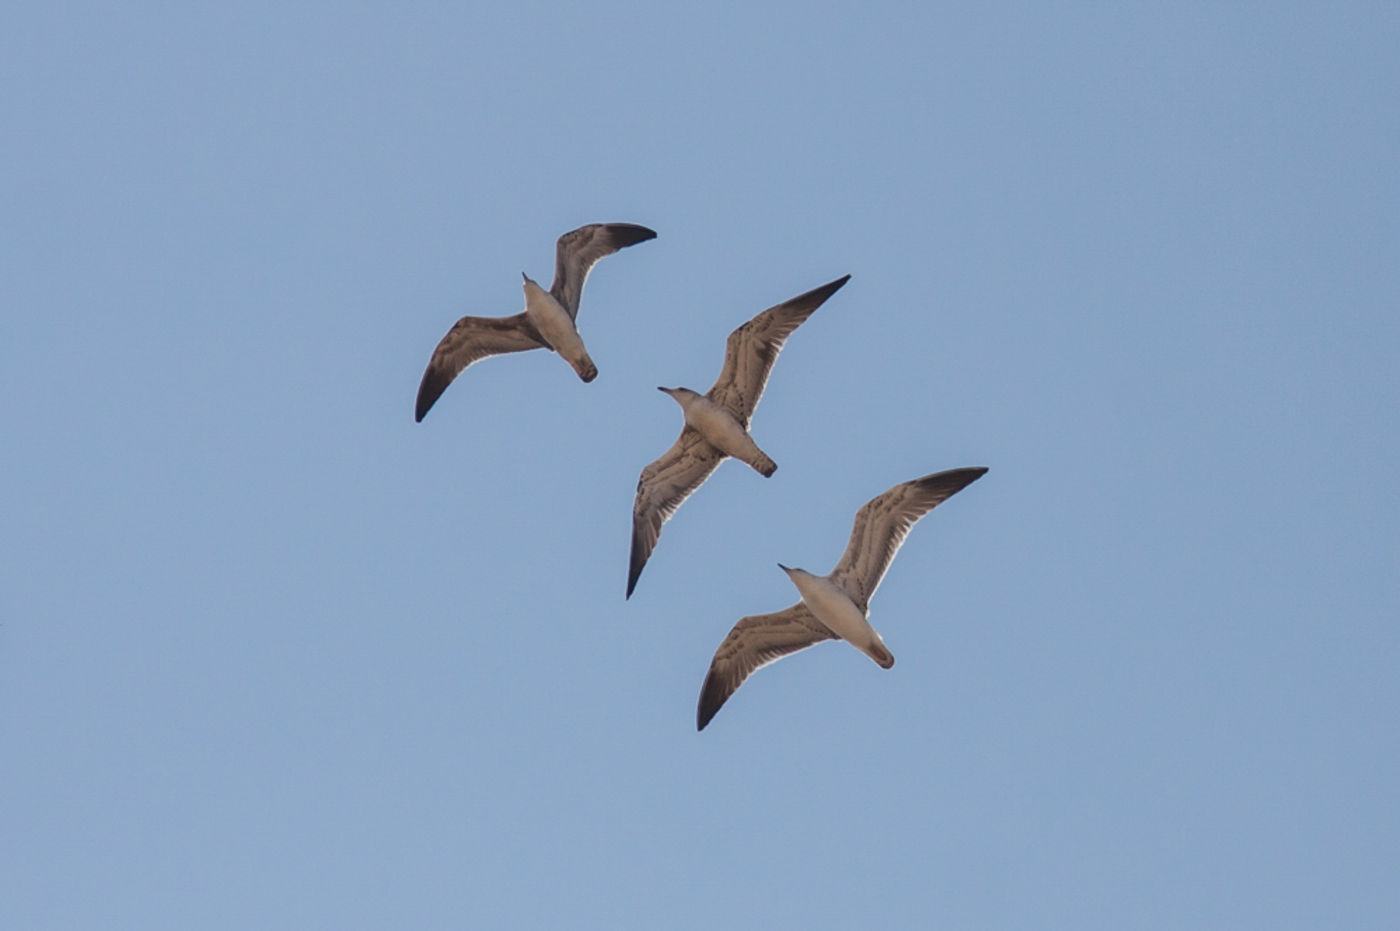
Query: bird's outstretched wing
{"type": "Point", "coordinates": [662, 487]}
{"type": "Point", "coordinates": [755, 642]}
{"type": "Point", "coordinates": [884, 521]}
{"type": "Point", "coordinates": [753, 348]}
{"type": "Point", "coordinates": [578, 250]}
{"type": "Point", "coordinates": [470, 339]}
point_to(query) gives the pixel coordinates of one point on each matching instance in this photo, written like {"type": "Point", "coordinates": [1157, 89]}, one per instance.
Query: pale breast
{"type": "Point", "coordinates": [553, 322]}
{"type": "Point", "coordinates": [717, 426]}
{"type": "Point", "coordinates": [834, 608]}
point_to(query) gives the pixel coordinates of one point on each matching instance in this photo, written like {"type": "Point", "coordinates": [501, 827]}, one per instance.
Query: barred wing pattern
{"type": "Point", "coordinates": [579, 250]}
{"type": "Point", "coordinates": [882, 524]}
{"type": "Point", "coordinates": [471, 339]}
{"type": "Point", "coordinates": [755, 642]}
{"type": "Point", "coordinates": [662, 487]}
{"type": "Point", "coordinates": [753, 348]}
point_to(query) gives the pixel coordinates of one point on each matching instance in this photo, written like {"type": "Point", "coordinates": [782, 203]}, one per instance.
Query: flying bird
{"type": "Point", "coordinates": [833, 606]}
{"type": "Point", "coordinates": [547, 321]}
{"type": "Point", "coordinates": [717, 422]}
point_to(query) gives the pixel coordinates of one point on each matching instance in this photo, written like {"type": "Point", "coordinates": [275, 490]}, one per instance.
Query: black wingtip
{"type": "Point", "coordinates": [635, 563]}
{"type": "Point", "coordinates": [954, 480]}
{"type": "Point", "coordinates": [430, 388]}
{"type": "Point", "coordinates": [703, 715]}
{"type": "Point", "coordinates": [819, 295]}
{"type": "Point", "coordinates": [629, 234]}
{"type": "Point", "coordinates": [972, 473]}
{"type": "Point", "coordinates": [424, 405]}
{"type": "Point", "coordinates": [710, 702]}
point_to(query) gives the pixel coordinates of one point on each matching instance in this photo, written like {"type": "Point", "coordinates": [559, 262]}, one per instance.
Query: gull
{"type": "Point", "coordinates": [717, 422]}
{"type": "Point", "coordinates": [833, 606]}
{"type": "Point", "coordinates": [547, 321]}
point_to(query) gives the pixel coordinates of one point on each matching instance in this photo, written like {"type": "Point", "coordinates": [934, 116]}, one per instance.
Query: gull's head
{"type": "Point", "coordinates": [795, 573]}
{"type": "Point", "coordinates": [680, 395]}
{"type": "Point", "coordinates": [534, 294]}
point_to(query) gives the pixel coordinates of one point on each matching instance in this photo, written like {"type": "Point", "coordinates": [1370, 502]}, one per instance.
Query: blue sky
{"type": "Point", "coordinates": [273, 655]}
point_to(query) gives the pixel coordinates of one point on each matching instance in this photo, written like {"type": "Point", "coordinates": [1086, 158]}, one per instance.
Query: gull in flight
{"type": "Point", "coordinates": [547, 321]}
{"type": "Point", "coordinates": [717, 422]}
{"type": "Point", "coordinates": [833, 606]}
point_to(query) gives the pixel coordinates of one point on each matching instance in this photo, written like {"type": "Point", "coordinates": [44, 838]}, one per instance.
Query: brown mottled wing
{"type": "Point", "coordinates": [578, 250]}
{"type": "Point", "coordinates": [753, 348]}
{"type": "Point", "coordinates": [662, 487]}
{"type": "Point", "coordinates": [755, 642]}
{"type": "Point", "coordinates": [470, 339]}
{"type": "Point", "coordinates": [883, 523]}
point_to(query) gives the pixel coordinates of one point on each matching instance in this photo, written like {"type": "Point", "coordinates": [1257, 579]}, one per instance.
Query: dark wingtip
{"type": "Point", "coordinates": [832, 287]}
{"type": "Point", "coordinates": [629, 234]}
{"type": "Point", "coordinates": [427, 397]}
{"type": "Point", "coordinates": [636, 562]}
{"type": "Point", "coordinates": [972, 473]}
{"type": "Point", "coordinates": [817, 296]}
{"type": "Point", "coordinates": [955, 480]}
{"type": "Point", "coordinates": [708, 707]}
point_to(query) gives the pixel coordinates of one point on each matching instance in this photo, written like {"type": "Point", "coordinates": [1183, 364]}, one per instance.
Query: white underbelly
{"type": "Point", "coordinates": [719, 428]}
{"type": "Point", "coordinates": [834, 608]}
{"type": "Point", "coordinates": [553, 323]}
{"type": "Point", "coordinates": [837, 611]}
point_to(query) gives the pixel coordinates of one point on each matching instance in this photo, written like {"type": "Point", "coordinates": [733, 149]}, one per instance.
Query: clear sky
{"type": "Point", "coordinates": [272, 655]}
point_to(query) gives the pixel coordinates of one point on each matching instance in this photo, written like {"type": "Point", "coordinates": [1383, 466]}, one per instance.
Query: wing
{"type": "Point", "coordinates": [470, 339]}
{"type": "Point", "coordinates": [755, 642]}
{"type": "Point", "coordinates": [663, 486]}
{"type": "Point", "coordinates": [754, 347]}
{"type": "Point", "coordinates": [883, 523]}
{"type": "Point", "coordinates": [578, 250]}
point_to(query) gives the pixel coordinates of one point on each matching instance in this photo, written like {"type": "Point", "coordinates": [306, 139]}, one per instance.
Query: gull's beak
{"type": "Point", "coordinates": [783, 567]}
{"type": "Point", "coordinates": [524, 277]}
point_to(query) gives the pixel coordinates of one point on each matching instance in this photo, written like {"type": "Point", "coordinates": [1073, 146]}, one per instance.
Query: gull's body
{"type": "Point", "coordinates": [718, 426]}
{"type": "Point", "coordinates": [548, 321]}
{"type": "Point", "coordinates": [838, 613]}
{"type": "Point", "coordinates": [717, 422]}
{"type": "Point", "coordinates": [554, 325]}
{"type": "Point", "coordinates": [834, 606]}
